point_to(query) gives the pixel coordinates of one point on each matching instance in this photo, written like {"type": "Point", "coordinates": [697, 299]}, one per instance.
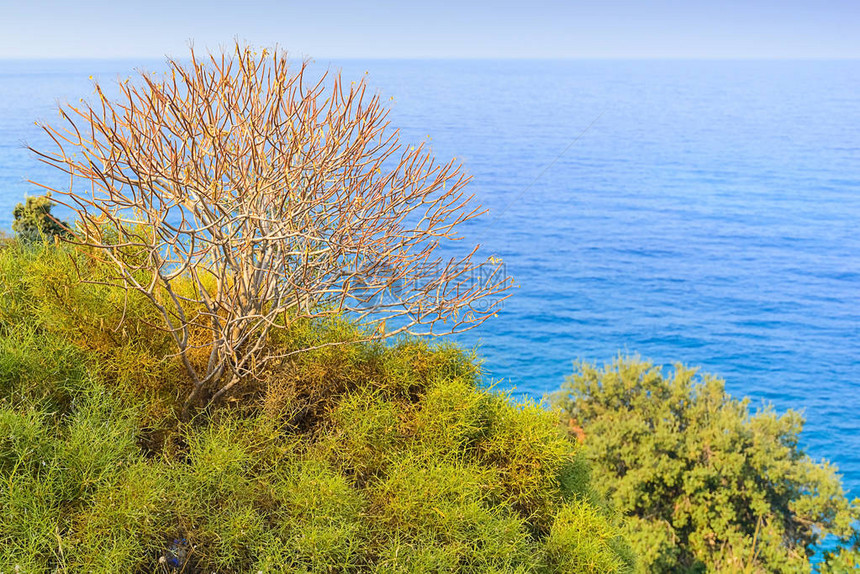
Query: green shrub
{"type": "Point", "coordinates": [846, 559]}
{"type": "Point", "coordinates": [350, 458]}
{"type": "Point", "coordinates": [57, 323]}
{"type": "Point", "coordinates": [34, 223]}
{"type": "Point", "coordinates": [53, 467]}
{"type": "Point", "coordinates": [709, 486]}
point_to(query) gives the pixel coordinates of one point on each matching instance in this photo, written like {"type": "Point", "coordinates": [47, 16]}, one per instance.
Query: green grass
{"type": "Point", "coordinates": [354, 458]}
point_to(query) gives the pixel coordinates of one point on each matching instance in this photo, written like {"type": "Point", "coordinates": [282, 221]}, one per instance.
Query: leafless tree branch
{"type": "Point", "coordinates": [238, 196]}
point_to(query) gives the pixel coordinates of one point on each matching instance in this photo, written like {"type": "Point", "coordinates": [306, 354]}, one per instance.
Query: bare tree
{"type": "Point", "coordinates": [239, 197]}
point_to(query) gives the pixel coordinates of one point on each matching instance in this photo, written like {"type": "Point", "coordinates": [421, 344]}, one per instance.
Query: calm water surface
{"type": "Point", "coordinates": [708, 216]}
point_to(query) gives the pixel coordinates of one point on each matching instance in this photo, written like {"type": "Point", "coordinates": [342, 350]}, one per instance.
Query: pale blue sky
{"type": "Point", "coordinates": [436, 29]}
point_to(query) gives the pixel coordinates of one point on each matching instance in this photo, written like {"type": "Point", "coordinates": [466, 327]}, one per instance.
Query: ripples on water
{"type": "Point", "coordinates": [709, 216]}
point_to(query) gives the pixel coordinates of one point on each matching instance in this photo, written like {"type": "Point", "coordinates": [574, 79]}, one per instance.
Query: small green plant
{"type": "Point", "coordinates": [34, 223]}
{"type": "Point", "coordinates": [708, 485]}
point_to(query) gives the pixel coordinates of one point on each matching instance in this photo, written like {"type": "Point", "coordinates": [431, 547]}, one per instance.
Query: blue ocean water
{"type": "Point", "coordinates": [703, 212]}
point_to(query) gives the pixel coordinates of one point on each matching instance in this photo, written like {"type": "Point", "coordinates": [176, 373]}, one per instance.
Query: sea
{"type": "Point", "coordinates": [703, 212]}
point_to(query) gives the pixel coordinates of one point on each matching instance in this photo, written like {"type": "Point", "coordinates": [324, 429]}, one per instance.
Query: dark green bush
{"type": "Point", "coordinates": [708, 486]}
{"type": "Point", "coordinates": [34, 223]}
{"type": "Point", "coordinates": [352, 458]}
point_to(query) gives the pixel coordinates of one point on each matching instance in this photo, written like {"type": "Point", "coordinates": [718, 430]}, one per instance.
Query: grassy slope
{"type": "Point", "coordinates": [349, 458]}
